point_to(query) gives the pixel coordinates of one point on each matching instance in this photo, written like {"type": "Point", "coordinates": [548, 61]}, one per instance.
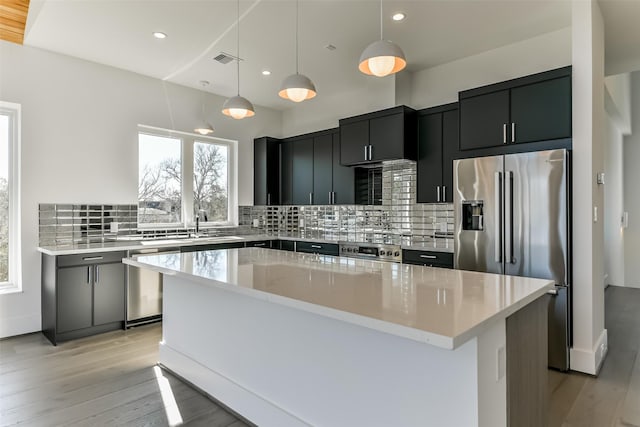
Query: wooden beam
{"type": "Point", "coordinates": [13, 20]}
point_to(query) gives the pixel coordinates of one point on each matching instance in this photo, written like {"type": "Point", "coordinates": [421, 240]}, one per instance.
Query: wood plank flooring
{"type": "Point", "coordinates": [109, 379]}
{"type": "Point", "coordinates": [112, 379]}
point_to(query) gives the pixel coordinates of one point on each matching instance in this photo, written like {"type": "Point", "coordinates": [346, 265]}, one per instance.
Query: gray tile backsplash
{"type": "Point", "coordinates": [398, 220]}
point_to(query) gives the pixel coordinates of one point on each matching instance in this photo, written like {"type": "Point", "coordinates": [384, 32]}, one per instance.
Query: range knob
{"type": "Point", "coordinates": [382, 253]}
{"type": "Point", "coordinates": [397, 253]}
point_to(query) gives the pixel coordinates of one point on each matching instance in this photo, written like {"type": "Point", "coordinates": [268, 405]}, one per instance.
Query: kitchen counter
{"type": "Point", "coordinates": [279, 337]}
{"type": "Point", "coordinates": [399, 299]}
{"type": "Point", "coordinates": [126, 245]}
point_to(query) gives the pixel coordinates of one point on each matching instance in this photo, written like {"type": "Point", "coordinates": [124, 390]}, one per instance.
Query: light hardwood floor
{"type": "Point", "coordinates": [111, 379]}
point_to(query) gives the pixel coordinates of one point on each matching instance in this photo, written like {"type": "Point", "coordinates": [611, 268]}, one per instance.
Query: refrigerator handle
{"type": "Point", "coordinates": [498, 216]}
{"type": "Point", "coordinates": [508, 215]}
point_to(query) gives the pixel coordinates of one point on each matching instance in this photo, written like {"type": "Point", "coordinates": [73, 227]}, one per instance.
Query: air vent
{"type": "Point", "coordinates": [225, 58]}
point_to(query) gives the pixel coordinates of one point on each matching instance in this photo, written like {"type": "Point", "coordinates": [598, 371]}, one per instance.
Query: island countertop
{"type": "Point", "coordinates": [438, 306]}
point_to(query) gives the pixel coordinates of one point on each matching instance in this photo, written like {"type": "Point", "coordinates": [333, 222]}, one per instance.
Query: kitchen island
{"type": "Point", "coordinates": [300, 339]}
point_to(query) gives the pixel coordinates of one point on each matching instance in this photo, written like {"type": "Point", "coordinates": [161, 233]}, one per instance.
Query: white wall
{"type": "Point", "coordinates": [79, 144]}
{"type": "Point", "coordinates": [589, 335]}
{"type": "Point", "coordinates": [631, 193]}
{"type": "Point", "coordinates": [441, 84]}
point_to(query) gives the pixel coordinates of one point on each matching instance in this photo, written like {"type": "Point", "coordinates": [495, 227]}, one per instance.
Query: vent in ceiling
{"type": "Point", "coordinates": [225, 58]}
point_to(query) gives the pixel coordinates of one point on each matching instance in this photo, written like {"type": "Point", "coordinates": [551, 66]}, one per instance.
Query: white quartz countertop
{"type": "Point", "coordinates": [441, 307]}
{"type": "Point", "coordinates": [129, 245]}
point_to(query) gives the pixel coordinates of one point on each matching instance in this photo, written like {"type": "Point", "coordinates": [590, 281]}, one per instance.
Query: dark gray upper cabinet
{"type": "Point", "coordinates": [437, 144]}
{"type": "Point", "coordinates": [343, 176]}
{"type": "Point", "coordinates": [302, 161]}
{"type": "Point", "coordinates": [322, 169]}
{"type": "Point", "coordinates": [529, 109]}
{"type": "Point", "coordinates": [266, 171]}
{"type": "Point", "coordinates": [286, 173]}
{"type": "Point", "coordinates": [383, 135]}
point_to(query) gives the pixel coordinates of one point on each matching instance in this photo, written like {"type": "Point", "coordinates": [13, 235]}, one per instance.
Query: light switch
{"type": "Point", "coordinates": [625, 219]}
{"type": "Point", "coordinates": [595, 214]}
{"type": "Point", "coordinates": [501, 363]}
{"type": "Point", "coordinates": [600, 178]}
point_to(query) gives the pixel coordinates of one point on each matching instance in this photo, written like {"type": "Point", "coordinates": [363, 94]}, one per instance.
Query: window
{"type": "Point", "coordinates": [9, 197]}
{"type": "Point", "coordinates": [183, 177]}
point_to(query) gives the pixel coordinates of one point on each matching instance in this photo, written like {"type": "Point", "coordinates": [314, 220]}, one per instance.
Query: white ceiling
{"type": "Point", "coordinates": [118, 33]}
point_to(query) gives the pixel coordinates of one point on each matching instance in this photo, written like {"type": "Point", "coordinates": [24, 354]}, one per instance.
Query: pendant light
{"type": "Point", "coordinates": [297, 87]}
{"type": "Point", "coordinates": [382, 57]}
{"type": "Point", "coordinates": [237, 106]}
{"type": "Point", "coordinates": [204, 128]}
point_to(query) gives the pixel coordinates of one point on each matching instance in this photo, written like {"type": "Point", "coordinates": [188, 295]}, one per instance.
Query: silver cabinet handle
{"type": "Point", "coordinates": [513, 132]}
{"type": "Point", "coordinates": [333, 197]}
{"type": "Point", "coordinates": [438, 193]}
{"type": "Point", "coordinates": [552, 292]}
{"type": "Point", "coordinates": [498, 215]}
{"type": "Point", "coordinates": [504, 133]}
{"type": "Point", "coordinates": [89, 275]}
{"type": "Point", "coordinates": [508, 216]}
{"type": "Point", "coordinates": [330, 198]}
{"type": "Point", "coordinates": [444, 193]}
{"type": "Point", "coordinates": [268, 198]}
{"type": "Point", "coordinates": [365, 152]}
{"type": "Point", "coordinates": [310, 198]}
{"type": "Point", "coordinates": [316, 246]}
{"type": "Point", "coordinates": [97, 267]}
{"type": "Point", "coordinates": [428, 256]}
{"type": "Point", "coordinates": [259, 244]}
{"type": "Point", "coordinates": [92, 258]}
{"type": "Point", "coordinates": [370, 152]}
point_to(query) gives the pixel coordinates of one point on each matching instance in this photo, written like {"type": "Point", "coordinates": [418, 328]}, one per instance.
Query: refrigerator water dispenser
{"type": "Point", "coordinates": [473, 215]}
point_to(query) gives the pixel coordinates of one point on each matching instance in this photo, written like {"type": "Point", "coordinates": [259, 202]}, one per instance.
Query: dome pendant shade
{"type": "Point", "coordinates": [382, 58]}
{"type": "Point", "coordinates": [238, 107]}
{"type": "Point", "coordinates": [204, 129]}
{"type": "Point", "coordinates": [297, 88]}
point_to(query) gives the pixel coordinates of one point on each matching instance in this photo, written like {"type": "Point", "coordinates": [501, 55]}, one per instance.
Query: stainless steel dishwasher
{"type": "Point", "coordinates": [144, 290]}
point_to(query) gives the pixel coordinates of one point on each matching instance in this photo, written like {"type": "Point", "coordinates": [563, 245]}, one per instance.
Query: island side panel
{"type": "Point", "coordinates": [527, 390]}
{"type": "Point", "coordinates": [319, 370]}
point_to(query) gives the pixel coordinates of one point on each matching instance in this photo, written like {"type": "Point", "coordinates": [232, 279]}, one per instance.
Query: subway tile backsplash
{"type": "Point", "coordinates": [398, 220]}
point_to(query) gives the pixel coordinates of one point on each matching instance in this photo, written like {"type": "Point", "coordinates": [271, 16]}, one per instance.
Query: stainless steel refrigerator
{"type": "Point", "coordinates": [512, 217]}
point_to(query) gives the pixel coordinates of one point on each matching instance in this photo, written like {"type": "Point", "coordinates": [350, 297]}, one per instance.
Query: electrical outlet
{"type": "Point", "coordinates": [256, 223]}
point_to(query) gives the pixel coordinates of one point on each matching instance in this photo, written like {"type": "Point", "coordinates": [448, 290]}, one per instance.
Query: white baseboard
{"type": "Point", "coordinates": [249, 405]}
{"type": "Point", "coordinates": [590, 361]}
{"type": "Point", "coordinates": [20, 325]}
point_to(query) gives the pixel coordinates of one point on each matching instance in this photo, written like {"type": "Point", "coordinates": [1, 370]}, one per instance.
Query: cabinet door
{"type": "Point", "coordinates": [541, 111]}
{"type": "Point", "coordinates": [354, 138]}
{"type": "Point", "coordinates": [429, 165]}
{"type": "Point", "coordinates": [450, 140]}
{"type": "Point", "coordinates": [343, 178]}
{"type": "Point", "coordinates": [259, 172]}
{"type": "Point", "coordinates": [322, 169]}
{"type": "Point", "coordinates": [74, 298]}
{"type": "Point", "coordinates": [387, 137]}
{"type": "Point", "coordinates": [482, 120]}
{"type": "Point", "coordinates": [108, 293]}
{"type": "Point", "coordinates": [302, 171]}
{"type": "Point", "coordinates": [286, 173]}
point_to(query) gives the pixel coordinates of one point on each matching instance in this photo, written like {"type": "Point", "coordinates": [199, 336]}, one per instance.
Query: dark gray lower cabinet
{"type": "Point", "coordinates": [82, 295]}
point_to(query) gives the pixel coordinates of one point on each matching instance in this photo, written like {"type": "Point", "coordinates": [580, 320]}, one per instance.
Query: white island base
{"type": "Point", "coordinates": [280, 366]}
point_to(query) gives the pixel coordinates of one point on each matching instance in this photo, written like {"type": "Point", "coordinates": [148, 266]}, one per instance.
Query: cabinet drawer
{"type": "Point", "coordinates": [317, 248]}
{"type": "Point", "coordinates": [259, 244]}
{"type": "Point", "coordinates": [430, 258]}
{"type": "Point", "coordinates": [286, 245]}
{"type": "Point", "coordinates": [212, 247]}
{"type": "Point", "coordinates": [92, 258]}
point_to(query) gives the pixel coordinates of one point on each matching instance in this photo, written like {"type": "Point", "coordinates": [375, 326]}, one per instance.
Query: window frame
{"type": "Point", "coordinates": [14, 283]}
{"type": "Point", "coordinates": [187, 172]}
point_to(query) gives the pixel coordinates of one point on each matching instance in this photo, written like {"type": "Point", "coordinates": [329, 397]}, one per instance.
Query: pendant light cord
{"type": "Point", "coordinates": [297, 16]}
{"type": "Point", "coordinates": [381, 38]}
{"type": "Point", "coordinates": [238, 45]}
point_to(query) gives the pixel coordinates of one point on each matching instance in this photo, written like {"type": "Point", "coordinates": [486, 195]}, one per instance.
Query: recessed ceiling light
{"type": "Point", "coordinates": [266, 72]}
{"type": "Point", "coordinates": [159, 35]}
{"type": "Point", "coordinates": [399, 16]}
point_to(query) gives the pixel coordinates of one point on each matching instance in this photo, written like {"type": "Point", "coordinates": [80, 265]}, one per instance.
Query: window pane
{"type": "Point", "coordinates": [159, 179]}
{"type": "Point", "coordinates": [4, 198]}
{"type": "Point", "coordinates": [210, 184]}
